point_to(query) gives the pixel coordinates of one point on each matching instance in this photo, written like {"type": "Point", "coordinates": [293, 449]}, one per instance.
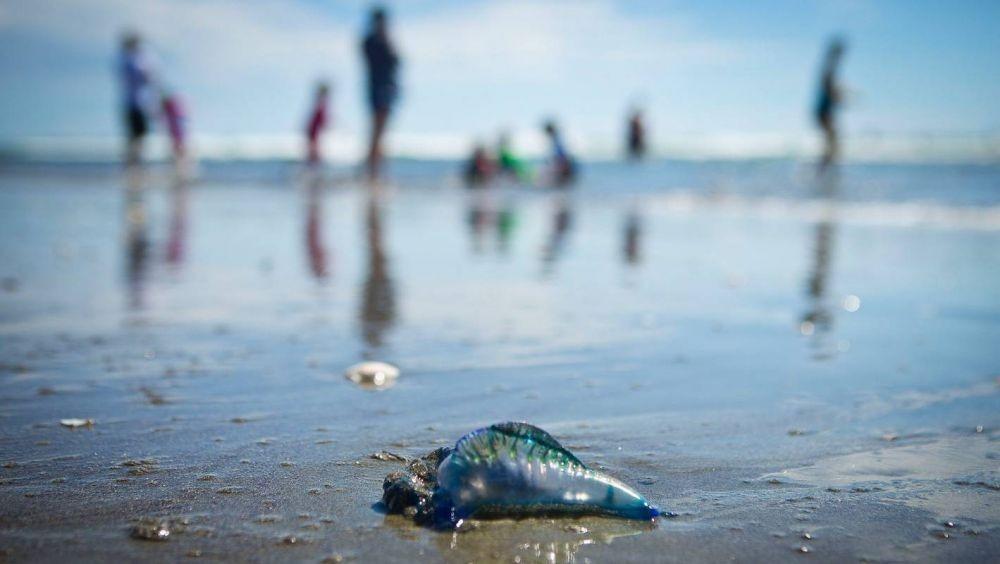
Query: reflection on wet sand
{"type": "Point", "coordinates": [315, 248]}
{"type": "Point", "coordinates": [138, 247]}
{"type": "Point", "coordinates": [136, 236]}
{"type": "Point", "coordinates": [562, 221]}
{"type": "Point", "coordinates": [527, 540]}
{"type": "Point", "coordinates": [378, 294]}
{"type": "Point", "coordinates": [817, 321]}
{"type": "Point", "coordinates": [178, 221]}
{"type": "Point", "coordinates": [632, 237]}
{"type": "Point", "coordinates": [484, 213]}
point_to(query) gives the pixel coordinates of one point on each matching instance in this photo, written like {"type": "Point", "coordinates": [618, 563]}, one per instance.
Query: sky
{"type": "Point", "coordinates": [707, 71]}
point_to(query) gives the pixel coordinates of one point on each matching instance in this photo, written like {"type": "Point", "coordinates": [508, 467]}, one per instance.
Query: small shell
{"type": "Point", "coordinates": [74, 423]}
{"type": "Point", "coordinates": [373, 375]}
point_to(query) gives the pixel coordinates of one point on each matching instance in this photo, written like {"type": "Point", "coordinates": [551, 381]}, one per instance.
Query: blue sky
{"type": "Point", "coordinates": [710, 67]}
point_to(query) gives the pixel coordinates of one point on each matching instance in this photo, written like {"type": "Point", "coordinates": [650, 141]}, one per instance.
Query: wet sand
{"type": "Point", "coordinates": [794, 378]}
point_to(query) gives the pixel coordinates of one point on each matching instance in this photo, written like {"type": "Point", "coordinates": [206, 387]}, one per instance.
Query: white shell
{"type": "Point", "coordinates": [373, 375]}
{"type": "Point", "coordinates": [74, 423]}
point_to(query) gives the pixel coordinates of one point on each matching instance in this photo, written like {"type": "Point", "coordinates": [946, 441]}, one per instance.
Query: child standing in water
{"type": "Point", "coordinates": [174, 115]}
{"type": "Point", "coordinates": [509, 163]}
{"type": "Point", "coordinates": [317, 123]}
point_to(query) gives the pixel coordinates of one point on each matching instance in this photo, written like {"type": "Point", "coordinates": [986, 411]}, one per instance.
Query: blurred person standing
{"type": "Point", "coordinates": [563, 165]}
{"type": "Point", "coordinates": [382, 64]}
{"type": "Point", "coordinates": [175, 118]}
{"type": "Point", "coordinates": [635, 137]}
{"type": "Point", "coordinates": [829, 100]}
{"type": "Point", "coordinates": [136, 77]}
{"type": "Point", "coordinates": [318, 120]}
{"type": "Point", "coordinates": [508, 162]}
{"type": "Point", "coordinates": [479, 168]}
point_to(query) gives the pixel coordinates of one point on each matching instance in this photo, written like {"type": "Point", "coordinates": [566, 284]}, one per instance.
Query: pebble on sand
{"type": "Point", "coordinates": [151, 529]}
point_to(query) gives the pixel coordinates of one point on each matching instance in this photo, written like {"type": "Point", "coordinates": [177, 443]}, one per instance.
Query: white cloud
{"type": "Point", "coordinates": [210, 36]}
{"type": "Point", "coordinates": [536, 39]}
{"type": "Point", "coordinates": [468, 70]}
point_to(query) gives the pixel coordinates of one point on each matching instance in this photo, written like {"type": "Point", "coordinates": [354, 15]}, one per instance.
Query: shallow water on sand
{"type": "Point", "coordinates": [782, 372]}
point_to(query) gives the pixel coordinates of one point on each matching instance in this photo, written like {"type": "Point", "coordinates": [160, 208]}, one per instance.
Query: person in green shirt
{"type": "Point", "coordinates": [509, 163]}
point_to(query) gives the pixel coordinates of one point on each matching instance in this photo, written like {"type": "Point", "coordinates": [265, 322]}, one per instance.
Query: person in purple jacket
{"type": "Point", "coordinates": [136, 78]}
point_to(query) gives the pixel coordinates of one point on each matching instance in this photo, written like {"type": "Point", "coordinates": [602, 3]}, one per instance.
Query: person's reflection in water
{"type": "Point", "coordinates": [817, 322]}
{"type": "Point", "coordinates": [485, 213]}
{"type": "Point", "coordinates": [378, 301]}
{"type": "Point", "coordinates": [506, 221]}
{"type": "Point", "coordinates": [178, 221]}
{"type": "Point", "coordinates": [315, 249]}
{"type": "Point", "coordinates": [478, 218]}
{"type": "Point", "coordinates": [136, 236]}
{"type": "Point", "coordinates": [539, 540]}
{"type": "Point", "coordinates": [562, 221]}
{"type": "Point", "coordinates": [632, 237]}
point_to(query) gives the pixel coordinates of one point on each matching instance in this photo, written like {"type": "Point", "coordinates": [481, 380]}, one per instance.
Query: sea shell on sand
{"type": "Point", "coordinates": [74, 423]}
{"type": "Point", "coordinates": [373, 375]}
{"type": "Point", "coordinates": [516, 469]}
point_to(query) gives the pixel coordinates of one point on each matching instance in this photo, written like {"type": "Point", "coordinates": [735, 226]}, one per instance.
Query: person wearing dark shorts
{"type": "Point", "coordinates": [382, 64]}
{"type": "Point", "coordinates": [828, 102]}
{"type": "Point", "coordinates": [135, 77]}
{"type": "Point", "coordinates": [137, 126]}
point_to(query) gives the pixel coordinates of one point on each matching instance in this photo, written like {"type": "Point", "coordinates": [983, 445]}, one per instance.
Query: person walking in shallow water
{"type": "Point", "coordinates": [828, 102]}
{"type": "Point", "coordinates": [382, 63]}
{"type": "Point", "coordinates": [136, 78]}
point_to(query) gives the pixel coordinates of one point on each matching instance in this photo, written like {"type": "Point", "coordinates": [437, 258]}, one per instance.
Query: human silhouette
{"type": "Point", "coordinates": [635, 137]}
{"type": "Point", "coordinates": [317, 123]}
{"type": "Point", "coordinates": [382, 64]}
{"type": "Point", "coordinates": [508, 163]}
{"type": "Point", "coordinates": [175, 119]}
{"type": "Point", "coordinates": [479, 168]}
{"type": "Point", "coordinates": [563, 165]}
{"type": "Point", "coordinates": [829, 100]}
{"type": "Point", "coordinates": [136, 77]}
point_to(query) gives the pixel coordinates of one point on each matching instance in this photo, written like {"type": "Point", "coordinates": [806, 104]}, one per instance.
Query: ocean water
{"type": "Point", "coordinates": [767, 354]}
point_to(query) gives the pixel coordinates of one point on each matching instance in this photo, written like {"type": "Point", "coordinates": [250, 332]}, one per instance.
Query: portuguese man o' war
{"type": "Point", "coordinates": [508, 470]}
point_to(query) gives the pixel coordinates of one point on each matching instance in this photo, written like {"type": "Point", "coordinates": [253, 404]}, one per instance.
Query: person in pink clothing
{"type": "Point", "coordinates": [317, 123]}
{"type": "Point", "coordinates": [172, 110]}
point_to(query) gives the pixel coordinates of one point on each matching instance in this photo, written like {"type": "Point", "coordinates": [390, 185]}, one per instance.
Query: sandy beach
{"type": "Point", "coordinates": [793, 370]}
